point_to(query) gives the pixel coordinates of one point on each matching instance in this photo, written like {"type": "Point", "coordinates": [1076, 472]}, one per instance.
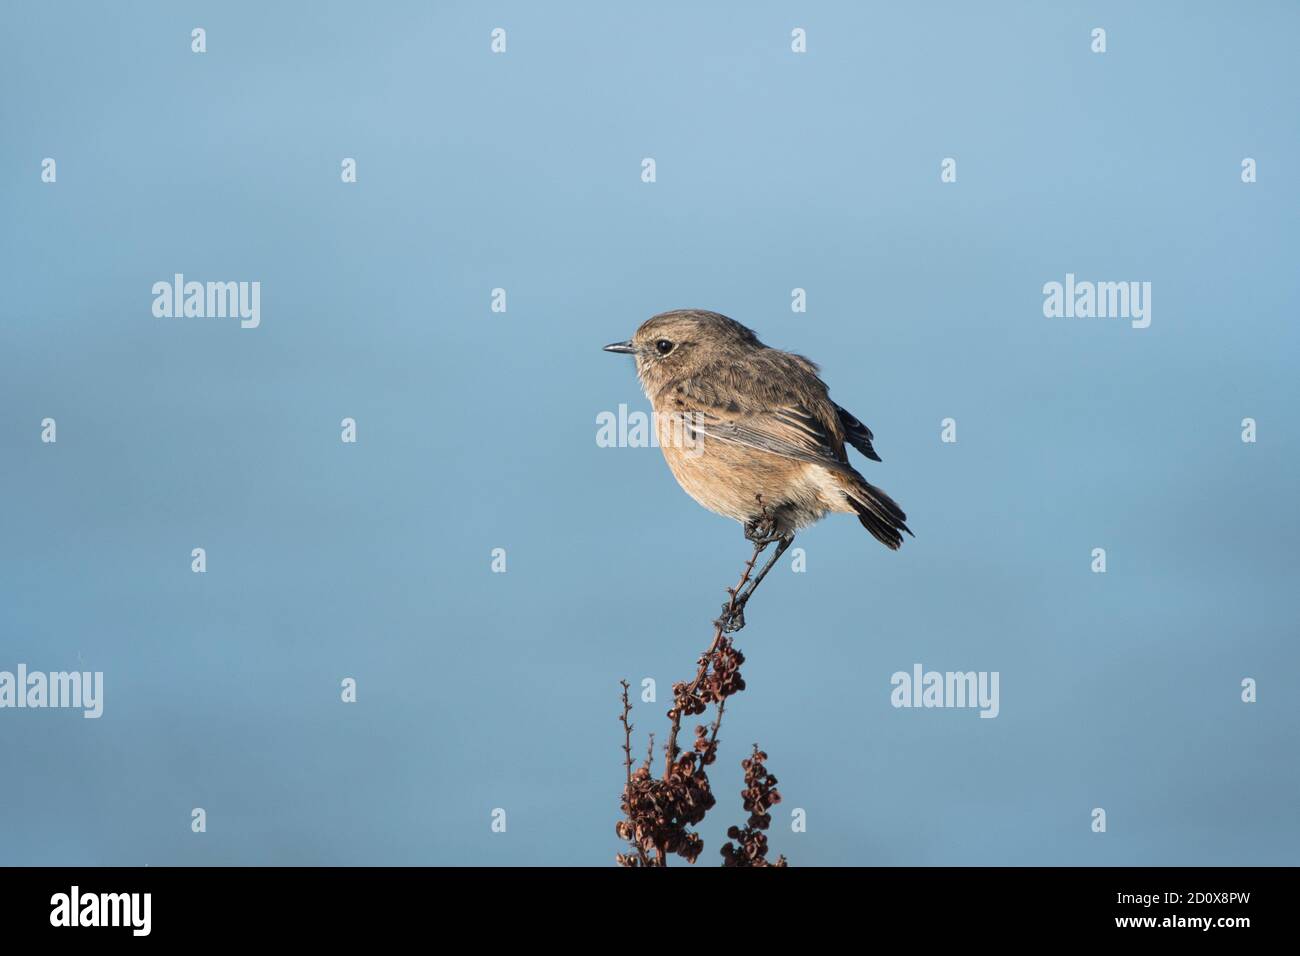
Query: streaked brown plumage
{"type": "Point", "coordinates": [758, 425]}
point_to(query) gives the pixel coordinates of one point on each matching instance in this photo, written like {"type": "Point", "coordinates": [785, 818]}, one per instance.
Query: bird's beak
{"type": "Point", "coordinates": [624, 347]}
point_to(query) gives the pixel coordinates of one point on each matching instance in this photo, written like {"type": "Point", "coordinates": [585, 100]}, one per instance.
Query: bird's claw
{"type": "Point", "coordinates": [733, 618]}
{"type": "Point", "coordinates": [761, 531]}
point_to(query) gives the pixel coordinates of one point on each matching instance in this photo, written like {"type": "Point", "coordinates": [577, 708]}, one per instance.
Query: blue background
{"type": "Point", "coordinates": [477, 430]}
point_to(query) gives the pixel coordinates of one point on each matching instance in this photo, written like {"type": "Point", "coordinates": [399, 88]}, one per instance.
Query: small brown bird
{"type": "Point", "coordinates": [762, 441]}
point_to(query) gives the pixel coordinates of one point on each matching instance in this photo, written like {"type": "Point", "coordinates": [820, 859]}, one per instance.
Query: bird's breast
{"type": "Point", "coordinates": [731, 479]}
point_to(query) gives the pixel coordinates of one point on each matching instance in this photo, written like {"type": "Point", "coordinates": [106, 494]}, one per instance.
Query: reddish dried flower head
{"type": "Point", "coordinates": [759, 796]}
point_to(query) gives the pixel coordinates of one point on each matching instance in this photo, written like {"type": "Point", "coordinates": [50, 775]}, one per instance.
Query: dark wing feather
{"type": "Point", "coordinates": [856, 434]}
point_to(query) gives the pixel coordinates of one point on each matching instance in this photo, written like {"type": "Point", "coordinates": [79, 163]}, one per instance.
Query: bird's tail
{"type": "Point", "coordinates": [878, 512]}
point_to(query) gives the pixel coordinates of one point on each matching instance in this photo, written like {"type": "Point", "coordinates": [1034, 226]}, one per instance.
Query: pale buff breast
{"type": "Point", "coordinates": [727, 478]}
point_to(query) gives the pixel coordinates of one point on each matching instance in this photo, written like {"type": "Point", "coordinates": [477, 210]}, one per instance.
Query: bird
{"type": "Point", "coordinates": [751, 432]}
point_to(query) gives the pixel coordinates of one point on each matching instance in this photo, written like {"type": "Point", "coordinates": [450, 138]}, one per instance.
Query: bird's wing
{"type": "Point", "coordinates": [855, 433]}
{"type": "Point", "coordinates": [743, 412]}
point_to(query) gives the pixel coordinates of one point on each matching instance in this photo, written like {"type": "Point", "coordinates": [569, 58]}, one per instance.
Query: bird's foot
{"type": "Point", "coordinates": [733, 617]}
{"type": "Point", "coordinates": [762, 531]}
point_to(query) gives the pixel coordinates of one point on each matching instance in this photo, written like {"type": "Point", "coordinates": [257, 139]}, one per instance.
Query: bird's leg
{"type": "Point", "coordinates": [731, 613]}
{"type": "Point", "coordinates": [733, 618]}
{"type": "Point", "coordinates": [760, 530]}
{"type": "Point", "coordinates": [783, 542]}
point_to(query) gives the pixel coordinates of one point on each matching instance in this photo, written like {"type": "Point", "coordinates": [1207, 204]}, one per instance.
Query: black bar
{"type": "Point", "coordinates": [240, 904]}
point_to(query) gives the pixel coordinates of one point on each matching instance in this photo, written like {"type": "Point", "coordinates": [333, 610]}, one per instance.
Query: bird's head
{"type": "Point", "coordinates": [676, 344]}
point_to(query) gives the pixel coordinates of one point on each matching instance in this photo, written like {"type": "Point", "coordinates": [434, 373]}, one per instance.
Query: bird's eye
{"type": "Point", "coordinates": [663, 346]}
